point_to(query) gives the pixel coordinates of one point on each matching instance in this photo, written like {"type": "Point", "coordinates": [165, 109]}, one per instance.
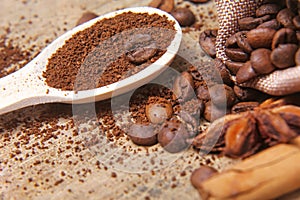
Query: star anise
{"type": "Point", "coordinates": [243, 134]}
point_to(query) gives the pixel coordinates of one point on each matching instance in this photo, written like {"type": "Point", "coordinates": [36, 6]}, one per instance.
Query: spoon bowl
{"type": "Point", "coordinates": [28, 87]}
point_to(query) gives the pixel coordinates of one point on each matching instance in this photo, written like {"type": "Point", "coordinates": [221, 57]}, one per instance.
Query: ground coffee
{"type": "Point", "coordinates": [12, 57]}
{"type": "Point", "coordinates": [110, 50]}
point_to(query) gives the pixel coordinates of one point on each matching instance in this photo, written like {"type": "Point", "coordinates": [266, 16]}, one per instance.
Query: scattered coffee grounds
{"type": "Point", "coordinates": [12, 57]}
{"type": "Point", "coordinates": [108, 51]}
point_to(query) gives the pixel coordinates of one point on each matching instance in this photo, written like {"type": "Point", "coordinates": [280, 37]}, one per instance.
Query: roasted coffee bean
{"type": "Point", "coordinates": [184, 16]}
{"type": "Point", "coordinates": [297, 57]}
{"type": "Point", "coordinates": [87, 16]}
{"type": "Point", "coordinates": [141, 134]}
{"type": "Point", "coordinates": [292, 5]}
{"type": "Point", "coordinates": [245, 73]}
{"type": "Point", "coordinates": [141, 55]}
{"type": "Point", "coordinates": [283, 56]}
{"type": "Point", "coordinates": [261, 37]}
{"type": "Point", "coordinates": [183, 87]}
{"type": "Point", "coordinates": [231, 42]}
{"type": "Point", "coordinates": [223, 71]}
{"type": "Point", "coordinates": [242, 41]}
{"type": "Point", "coordinates": [248, 23]}
{"type": "Point", "coordinates": [207, 41]}
{"type": "Point", "coordinates": [172, 136]}
{"type": "Point", "coordinates": [158, 112]}
{"type": "Point", "coordinates": [236, 54]}
{"type": "Point", "coordinates": [284, 36]}
{"type": "Point", "coordinates": [244, 106]}
{"type": "Point", "coordinates": [273, 24]}
{"type": "Point", "coordinates": [296, 22]}
{"type": "Point", "coordinates": [165, 5]}
{"type": "Point", "coordinates": [261, 61]}
{"type": "Point", "coordinates": [267, 9]}
{"type": "Point", "coordinates": [212, 112]}
{"type": "Point", "coordinates": [285, 18]}
{"type": "Point", "coordinates": [137, 41]}
{"type": "Point", "coordinates": [201, 174]}
{"type": "Point", "coordinates": [233, 66]}
{"type": "Point", "coordinates": [203, 93]}
{"type": "Point", "coordinates": [248, 94]}
{"type": "Point", "coordinates": [222, 95]}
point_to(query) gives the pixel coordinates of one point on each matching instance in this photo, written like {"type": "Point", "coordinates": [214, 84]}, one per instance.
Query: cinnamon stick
{"type": "Point", "coordinates": [266, 175]}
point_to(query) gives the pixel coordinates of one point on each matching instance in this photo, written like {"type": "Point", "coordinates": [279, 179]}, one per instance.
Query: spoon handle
{"type": "Point", "coordinates": [22, 88]}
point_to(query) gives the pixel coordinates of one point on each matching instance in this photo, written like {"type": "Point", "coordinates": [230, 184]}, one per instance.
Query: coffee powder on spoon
{"type": "Point", "coordinates": [108, 51]}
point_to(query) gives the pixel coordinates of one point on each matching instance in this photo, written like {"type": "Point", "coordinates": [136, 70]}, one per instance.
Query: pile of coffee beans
{"type": "Point", "coordinates": [266, 42]}
{"type": "Point", "coordinates": [108, 51]}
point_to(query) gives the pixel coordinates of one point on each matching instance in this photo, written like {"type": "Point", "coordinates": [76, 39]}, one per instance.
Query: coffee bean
{"type": "Point", "coordinates": [212, 112]}
{"type": "Point", "coordinates": [158, 112]}
{"type": "Point", "coordinates": [183, 87]}
{"type": "Point", "coordinates": [233, 66]}
{"type": "Point", "coordinates": [203, 93]}
{"type": "Point", "coordinates": [261, 61]}
{"type": "Point", "coordinates": [296, 22]}
{"type": "Point", "coordinates": [273, 24]}
{"type": "Point", "coordinates": [285, 17]}
{"type": "Point", "coordinates": [248, 94]}
{"type": "Point", "coordinates": [231, 42]}
{"type": "Point", "coordinates": [184, 16]}
{"type": "Point", "coordinates": [244, 106]}
{"type": "Point", "coordinates": [137, 41]}
{"type": "Point", "coordinates": [260, 37]}
{"type": "Point", "coordinates": [245, 73]}
{"type": "Point", "coordinates": [284, 36]}
{"type": "Point", "coordinates": [236, 54]}
{"type": "Point", "coordinates": [207, 41]}
{"type": "Point", "coordinates": [223, 71]}
{"type": "Point", "coordinates": [141, 55]}
{"type": "Point", "coordinates": [248, 23]}
{"type": "Point", "coordinates": [201, 174]}
{"type": "Point", "coordinates": [297, 57]}
{"type": "Point", "coordinates": [267, 9]}
{"type": "Point", "coordinates": [141, 134]}
{"type": "Point", "coordinates": [172, 136]}
{"type": "Point", "coordinates": [283, 56]}
{"type": "Point", "coordinates": [242, 41]}
{"type": "Point", "coordinates": [222, 95]}
{"type": "Point", "coordinates": [87, 16]}
{"type": "Point", "coordinates": [165, 5]}
{"type": "Point", "coordinates": [292, 5]}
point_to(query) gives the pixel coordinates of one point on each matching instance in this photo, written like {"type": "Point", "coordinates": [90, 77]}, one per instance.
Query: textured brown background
{"type": "Point", "coordinates": [138, 176]}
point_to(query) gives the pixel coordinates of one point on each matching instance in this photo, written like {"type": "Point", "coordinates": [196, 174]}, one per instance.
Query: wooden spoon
{"type": "Point", "coordinates": [27, 86]}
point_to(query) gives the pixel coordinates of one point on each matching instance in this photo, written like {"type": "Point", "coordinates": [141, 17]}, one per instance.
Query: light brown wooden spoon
{"type": "Point", "coordinates": [28, 87]}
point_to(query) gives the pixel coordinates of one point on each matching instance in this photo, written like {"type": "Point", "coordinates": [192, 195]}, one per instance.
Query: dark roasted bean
{"type": "Point", "coordinates": [284, 55]}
